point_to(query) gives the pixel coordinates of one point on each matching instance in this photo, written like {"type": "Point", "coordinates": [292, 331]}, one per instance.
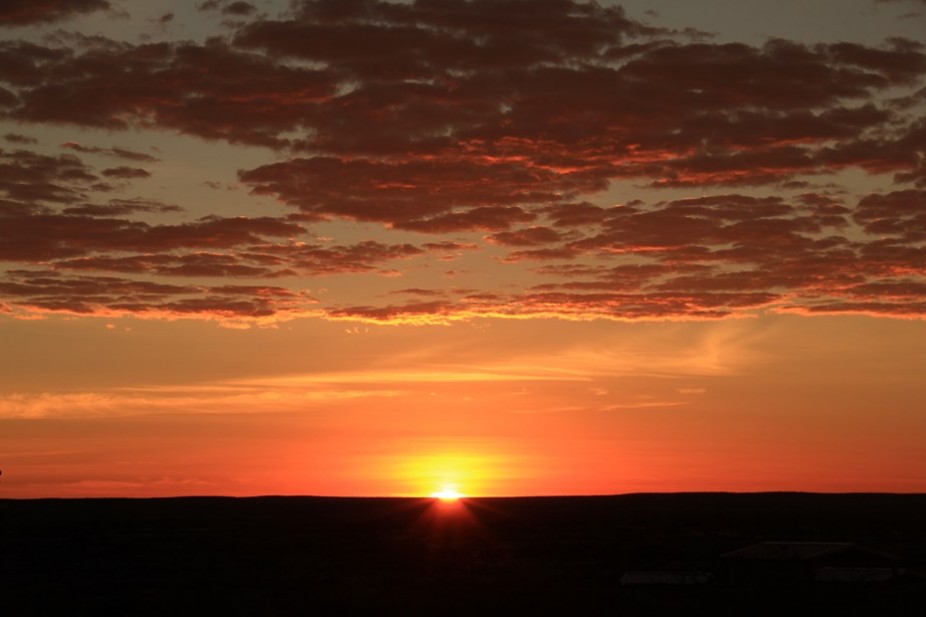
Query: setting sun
{"type": "Point", "coordinates": [466, 468]}
{"type": "Point", "coordinates": [448, 493]}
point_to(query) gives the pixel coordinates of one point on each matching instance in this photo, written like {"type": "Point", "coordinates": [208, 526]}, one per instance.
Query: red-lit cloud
{"type": "Point", "coordinates": [111, 296]}
{"type": "Point", "coordinates": [65, 242]}
{"type": "Point", "coordinates": [482, 124]}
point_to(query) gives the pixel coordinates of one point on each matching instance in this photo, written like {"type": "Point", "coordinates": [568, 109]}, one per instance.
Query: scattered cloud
{"type": "Point", "coordinates": [476, 130]}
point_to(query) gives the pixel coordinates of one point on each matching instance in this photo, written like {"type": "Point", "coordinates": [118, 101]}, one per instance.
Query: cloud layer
{"type": "Point", "coordinates": [495, 124]}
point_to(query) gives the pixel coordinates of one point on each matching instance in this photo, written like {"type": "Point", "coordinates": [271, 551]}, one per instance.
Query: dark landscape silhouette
{"type": "Point", "coordinates": [672, 554]}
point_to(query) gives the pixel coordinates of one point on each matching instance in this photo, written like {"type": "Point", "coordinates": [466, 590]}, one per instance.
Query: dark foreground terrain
{"type": "Point", "coordinates": [623, 555]}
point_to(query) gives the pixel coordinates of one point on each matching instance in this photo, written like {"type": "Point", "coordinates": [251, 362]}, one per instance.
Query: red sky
{"type": "Point", "coordinates": [516, 246]}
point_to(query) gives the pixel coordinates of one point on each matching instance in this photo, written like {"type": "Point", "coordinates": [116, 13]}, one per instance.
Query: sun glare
{"type": "Point", "coordinates": [447, 493]}
{"type": "Point", "coordinates": [447, 476]}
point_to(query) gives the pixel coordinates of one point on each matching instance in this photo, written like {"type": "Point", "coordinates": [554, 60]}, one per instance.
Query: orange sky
{"type": "Point", "coordinates": [380, 248]}
{"type": "Point", "coordinates": [779, 403]}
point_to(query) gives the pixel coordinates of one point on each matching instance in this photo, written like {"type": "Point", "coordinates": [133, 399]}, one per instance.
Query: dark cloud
{"type": "Point", "coordinates": [416, 194]}
{"type": "Point", "coordinates": [38, 236]}
{"type": "Point", "coordinates": [81, 244]}
{"type": "Point", "coordinates": [427, 38]}
{"type": "Point", "coordinates": [528, 236]}
{"type": "Point", "coordinates": [711, 257]}
{"type": "Point", "coordinates": [23, 63]}
{"type": "Point", "coordinates": [576, 214]}
{"type": "Point", "coordinates": [25, 12]}
{"type": "Point", "coordinates": [239, 8]}
{"type": "Point", "coordinates": [121, 207]}
{"type": "Point", "coordinates": [678, 114]}
{"type": "Point", "coordinates": [222, 93]}
{"type": "Point", "coordinates": [553, 102]}
{"type": "Point", "coordinates": [21, 140]}
{"type": "Point", "coordinates": [32, 177]}
{"type": "Point", "coordinates": [418, 291]}
{"type": "Point", "coordinates": [99, 295]}
{"type": "Point", "coordinates": [196, 264]}
{"type": "Point", "coordinates": [48, 221]}
{"type": "Point", "coordinates": [33, 228]}
{"type": "Point", "coordinates": [7, 99]}
{"type": "Point", "coordinates": [505, 118]}
{"type": "Point", "coordinates": [121, 153]}
{"type": "Point", "coordinates": [318, 259]}
{"type": "Point", "coordinates": [899, 214]}
{"type": "Point", "coordinates": [126, 173]}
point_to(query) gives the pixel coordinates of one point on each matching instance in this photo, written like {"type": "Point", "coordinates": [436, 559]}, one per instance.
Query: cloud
{"type": "Point", "coordinates": [421, 195]}
{"type": "Point", "coordinates": [238, 8]}
{"type": "Point", "coordinates": [901, 214]}
{"type": "Point", "coordinates": [193, 264]}
{"type": "Point", "coordinates": [32, 177]}
{"type": "Point", "coordinates": [121, 207]}
{"type": "Point", "coordinates": [706, 258]}
{"type": "Point", "coordinates": [41, 236]}
{"type": "Point", "coordinates": [121, 153]}
{"type": "Point", "coordinates": [529, 236]}
{"type": "Point", "coordinates": [26, 12]}
{"type": "Point", "coordinates": [564, 91]}
{"type": "Point", "coordinates": [53, 292]}
{"type": "Point", "coordinates": [487, 125]}
{"type": "Point", "coordinates": [22, 140]}
{"type": "Point", "coordinates": [50, 222]}
{"type": "Point", "coordinates": [319, 259]}
{"type": "Point", "coordinates": [126, 173]}
{"type": "Point", "coordinates": [223, 93]}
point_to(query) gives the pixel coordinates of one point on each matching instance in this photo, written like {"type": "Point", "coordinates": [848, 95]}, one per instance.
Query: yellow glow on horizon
{"type": "Point", "coordinates": [455, 474]}
{"type": "Point", "coordinates": [448, 493]}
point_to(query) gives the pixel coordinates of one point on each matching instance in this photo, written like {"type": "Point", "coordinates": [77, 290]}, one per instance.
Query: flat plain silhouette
{"type": "Point", "coordinates": [630, 554]}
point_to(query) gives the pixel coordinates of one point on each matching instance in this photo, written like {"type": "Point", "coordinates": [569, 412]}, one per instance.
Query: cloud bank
{"type": "Point", "coordinates": [496, 124]}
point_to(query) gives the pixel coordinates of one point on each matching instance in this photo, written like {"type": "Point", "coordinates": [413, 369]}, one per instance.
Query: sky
{"type": "Point", "coordinates": [499, 247]}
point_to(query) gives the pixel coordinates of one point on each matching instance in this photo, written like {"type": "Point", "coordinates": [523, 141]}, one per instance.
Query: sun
{"type": "Point", "coordinates": [448, 493]}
